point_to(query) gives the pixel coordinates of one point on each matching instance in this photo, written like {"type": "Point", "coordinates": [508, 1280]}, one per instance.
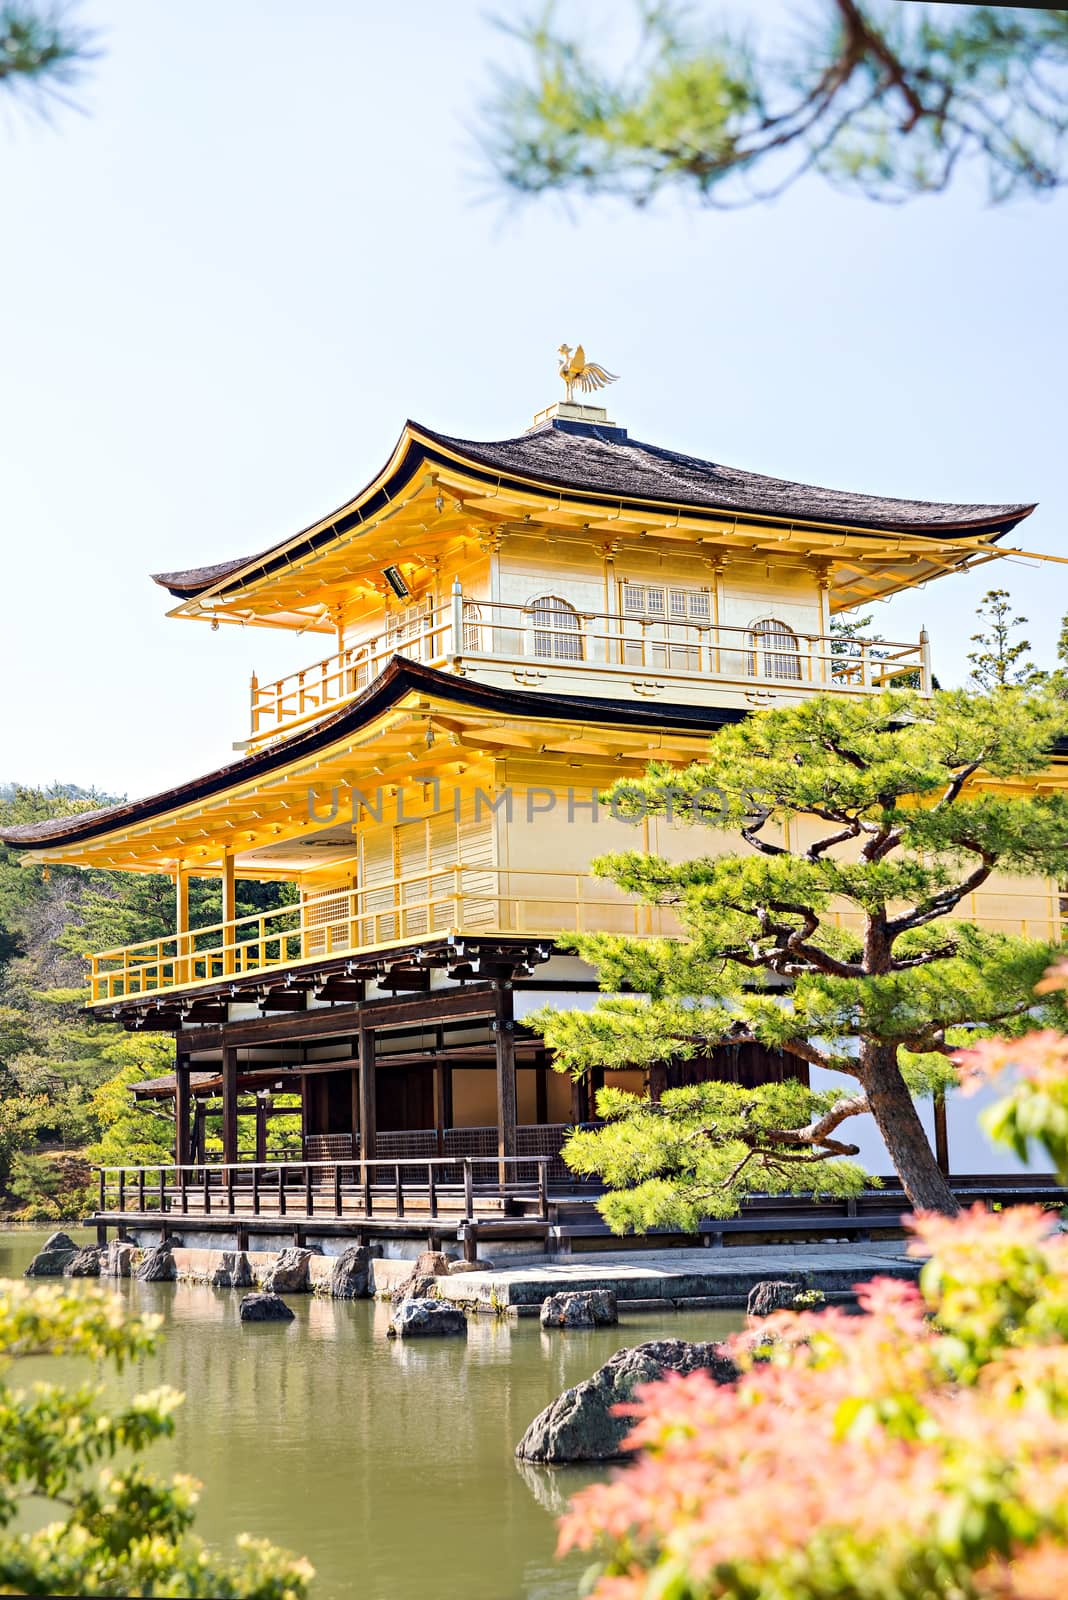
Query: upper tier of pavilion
{"type": "Point", "coordinates": [578, 475]}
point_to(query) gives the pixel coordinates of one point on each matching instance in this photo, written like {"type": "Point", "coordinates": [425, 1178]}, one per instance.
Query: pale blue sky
{"type": "Point", "coordinates": [264, 246]}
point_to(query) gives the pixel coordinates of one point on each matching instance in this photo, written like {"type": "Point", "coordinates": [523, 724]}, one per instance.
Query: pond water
{"type": "Point", "coordinates": [389, 1465]}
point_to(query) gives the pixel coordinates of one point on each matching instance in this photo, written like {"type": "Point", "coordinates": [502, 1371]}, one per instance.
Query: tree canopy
{"type": "Point", "coordinates": [879, 98]}
{"type": "Point", "coordinates": [917, 1449]}
{"type": "Point", "coordinates": [1001, 657]}
{"type": "Point", "coordinates": [826, 936]}
{"type": "Point", "coordinates": [114, 1528]}
{"type": "Point", "coordinates": [64, 1078]}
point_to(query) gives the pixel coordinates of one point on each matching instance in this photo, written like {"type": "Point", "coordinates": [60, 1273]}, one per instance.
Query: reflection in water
{"type": "Point", "coordinates": [552, 1487]}
{"type": "Point", "coordinates": [388, 1463]}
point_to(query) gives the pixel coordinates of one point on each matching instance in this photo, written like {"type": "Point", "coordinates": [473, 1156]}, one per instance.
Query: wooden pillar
{"type": "Point", "coordinates": [541, 1090]}
{"type": "Point", "coordinates": [355, 1092]}
{"type": "Point", "coordinates": [182, 1142]}
{"type": "Point", "coordinates": [941, 1134]}
{"type": "Point", "coordinates": [658, 1080]}
{"type": "Point", "coordinates": [368, 1108]}
{"type": "Point", "coordinates": [229, 907]}
{"type": "Point", "coordinates": [198, 1131]}
{"type": "Point", "coordinates": [504, 1040]}
{"type": "Point", "coordinates": [262, 1102]}
{"type": "Point", "coordinates": [580, 1100]}
{"type": "Point", "coordinates": [229, 1094]}
{"type": "Point", "coordinates": [440, 1121]}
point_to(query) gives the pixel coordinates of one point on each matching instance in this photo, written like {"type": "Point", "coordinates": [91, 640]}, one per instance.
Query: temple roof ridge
{"type": "Point", "coordinates": [595, 460]}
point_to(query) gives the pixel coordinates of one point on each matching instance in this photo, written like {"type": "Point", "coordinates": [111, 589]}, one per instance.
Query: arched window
{"type": "Point", "coordinates": [556, 628]}
{"type": "Point", "coordinates": [773, 651]}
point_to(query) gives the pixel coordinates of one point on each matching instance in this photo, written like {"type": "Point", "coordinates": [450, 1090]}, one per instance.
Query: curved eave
{"type": "Point", "coordinates": [420, 448]}
{"type": "Point", "coordinates": [400, 678]}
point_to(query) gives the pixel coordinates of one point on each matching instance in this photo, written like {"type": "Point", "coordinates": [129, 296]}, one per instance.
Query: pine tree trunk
{"type": "Point", "coordinates": [899, 1123]}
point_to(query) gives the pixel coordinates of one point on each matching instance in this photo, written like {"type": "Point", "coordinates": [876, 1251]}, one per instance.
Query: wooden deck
{"type": "Point", "coordinates": [476, 1201]}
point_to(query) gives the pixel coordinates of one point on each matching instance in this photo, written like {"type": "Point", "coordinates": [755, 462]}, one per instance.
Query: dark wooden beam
{"type": "Point", "coordinates": [438, 1006]}
{"type": "Point", "coordinates": [414, 979]}
{"type": "Point", "coordinates": [368, 1104]}
{"type": "Point", "coordinates": [504, 1040]}
{"type": "Point", "coordinates": [182, 1141]}
{"type": "Point", "coordinates": [439, 1090]}
{"type": "Point", "coordinates": [541, 1090]}
{"type": "Point", "coordinates": [284, 1000]}
{"type": "Point", "coordinates": [229, 1092]}
{"type": "Point", "coordinates": [941, 1130]}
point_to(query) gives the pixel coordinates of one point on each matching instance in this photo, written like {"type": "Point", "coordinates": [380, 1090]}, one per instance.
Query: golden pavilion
{"type": "Point", "coordinates": [498, 631]}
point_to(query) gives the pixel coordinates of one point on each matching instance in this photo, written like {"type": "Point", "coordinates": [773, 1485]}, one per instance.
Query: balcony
{"type": "Point", "coordinates": [549, 645]}
{"type": "Point", "coordinates": [405, 911]}
{"type": "Point", "coordinates": [486, 901]}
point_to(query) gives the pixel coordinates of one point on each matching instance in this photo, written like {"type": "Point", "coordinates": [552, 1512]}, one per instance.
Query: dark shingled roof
{"type": "Point", "coordinates": [607, 461]}
{"type": "Point", "coordinates": [603, 463]}
{"type": "Point", "coordinates": [194, 579]}
{"type": "Point", "coordinates": [400, 676]}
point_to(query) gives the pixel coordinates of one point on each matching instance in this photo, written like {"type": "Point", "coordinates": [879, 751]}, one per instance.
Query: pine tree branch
{"type": "Point", "coordinates": [818, 1132]}
{"type": "Point", "coordinates": [959, 780]}
{"type": "Point", "coordinates": [941, 904]}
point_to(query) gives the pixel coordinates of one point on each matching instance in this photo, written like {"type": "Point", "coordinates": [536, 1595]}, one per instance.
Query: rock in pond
{"type": "Point", "coordinates": [116, 1259]}
{"type": "Point", "coordinates": [350, 1275]}
{"type": "Point", "coordinates": [579, 1425]}
{"type": "Point", "coordinates": [158, 1264]}
{"type": "Point", "coordinates": [774, 1294]}
{"type": "Point", "coordinates": [84, 1263]}
{"type": "Point", "coordinates": [420, 1319]}
{"type": "Point", "coordinates": [419, 1284]}
{"type": "Point", "coordinates": [265, 1308]}
{"type": "Point", "coordinates": [233, 1271]}
{"type": "Point", "coordinates": [582, 1308]}
{"type": "Point", "coordinates": [52, 1257]}
{"type": "Point", "coordinates": [289, 1274]}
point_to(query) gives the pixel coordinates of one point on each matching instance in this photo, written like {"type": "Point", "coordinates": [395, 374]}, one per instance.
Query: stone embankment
{"type": "Point", "coordinates": [658, 1281]}
{"type": "Point", "coordinates": [295, 1270]}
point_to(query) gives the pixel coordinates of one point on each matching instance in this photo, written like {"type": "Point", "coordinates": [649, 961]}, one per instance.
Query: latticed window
{"type": "Point", "coordinates": [556, 628]}
{"type": "Point", "coordinates": [326, 917]}
{"type": "Point", "coordinates": [773, 651]}
{"type": "Point", "coordinates": [472, 626]}
{"type": "Point", "coordinates": [666, 605]}
{"type": "Point", "coordinates": [406, 626]}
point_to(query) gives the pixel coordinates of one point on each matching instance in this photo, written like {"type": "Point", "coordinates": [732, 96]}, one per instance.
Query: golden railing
{"type": "Point", "coordinates": [457, 899]}
{"type": "Point", "coordinates": [313, 691]}
{"type": "Point", "coordinates": [619, 641]}
{"type": "Point", "coordinates": [400, 911]}
{"type": "Point", "coordinates": [704, 649]}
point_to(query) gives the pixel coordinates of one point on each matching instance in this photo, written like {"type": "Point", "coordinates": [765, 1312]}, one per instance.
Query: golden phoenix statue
{"type": "Point", "coordinates": [578, 373]}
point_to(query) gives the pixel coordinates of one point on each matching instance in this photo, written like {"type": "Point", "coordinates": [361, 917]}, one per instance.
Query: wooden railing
{"type": "Point", "coordinates": [706, 650]}
{"type": "Point", "coordinates": [310, 693]}
{"type": "Point", "coordinates": [620, 642]}
{"type": "Point", "coordinates": [460, 1186]}
{"type": "Point", "coordinates": [454, 900]}
{"type": "Point", "coordinates": [420, 906]}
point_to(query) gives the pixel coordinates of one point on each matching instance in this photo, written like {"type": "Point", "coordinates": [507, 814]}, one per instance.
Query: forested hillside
{"type": "Point", "coordinates": [64, 1079]}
